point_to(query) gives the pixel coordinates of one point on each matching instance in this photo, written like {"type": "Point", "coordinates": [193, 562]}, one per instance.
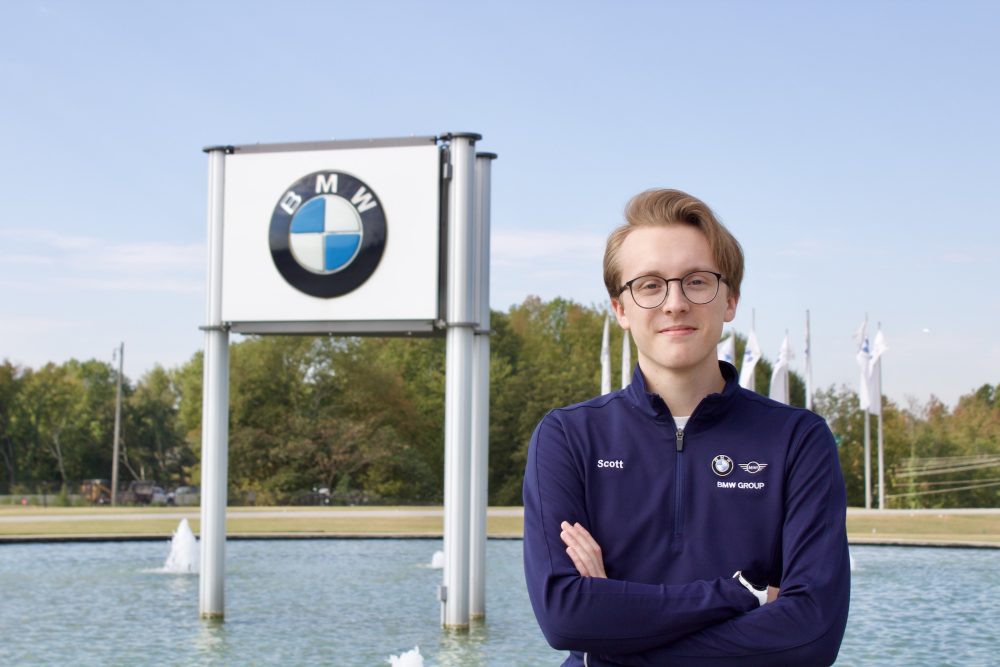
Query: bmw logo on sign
{"type": "Point", "coordinates": [327, 234]}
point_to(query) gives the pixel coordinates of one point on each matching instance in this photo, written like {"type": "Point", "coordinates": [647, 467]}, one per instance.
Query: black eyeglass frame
{"type": "Point", "coordinates": [718, 276]}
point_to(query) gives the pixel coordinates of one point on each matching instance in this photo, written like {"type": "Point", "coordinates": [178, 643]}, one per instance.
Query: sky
{"type": "Point", "coordinates": [852, 147]}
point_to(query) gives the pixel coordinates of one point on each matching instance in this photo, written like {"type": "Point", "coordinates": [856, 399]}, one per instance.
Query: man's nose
{"type": "Point", "coordinates": [675, 301]}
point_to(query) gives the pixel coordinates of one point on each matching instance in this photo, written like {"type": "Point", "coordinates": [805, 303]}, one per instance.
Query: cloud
{"type": "Point", "coordinates": [521, 246]}
{"type": "Point", "coordinates": [48, 238]}
{"type": "Point", "coordinates": [27, 325]}
{"type": "Point", "coordinates": [146, 257]}
{"type": "Point", "coordinates": [25, 259]}
{"type": "Point", "coordinates": [805, 248]}
{"type": "Point", "coordinates": [175, 286]}
{"type": "Point", "coordinates": [40, 260]}
{"type": "Point", "coordinates": [955, 257]}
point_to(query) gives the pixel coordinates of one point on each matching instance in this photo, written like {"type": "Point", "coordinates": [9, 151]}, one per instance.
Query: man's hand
{"type": "Point", "coordinates": [583, 549]}
{"type": "Point", "coordinates": [585, 553]}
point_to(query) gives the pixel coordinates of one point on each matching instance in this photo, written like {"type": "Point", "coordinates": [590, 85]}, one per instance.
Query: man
{"type": "Point", "coordinates": [640, 505]}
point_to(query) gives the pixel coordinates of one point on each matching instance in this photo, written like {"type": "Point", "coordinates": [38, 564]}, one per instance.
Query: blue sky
{"type": "Point", "coordinates": [852, 147]}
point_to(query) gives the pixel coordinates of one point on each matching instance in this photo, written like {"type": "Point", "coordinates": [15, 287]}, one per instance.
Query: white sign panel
{"type": "Point", "coordinates": [332, 239]}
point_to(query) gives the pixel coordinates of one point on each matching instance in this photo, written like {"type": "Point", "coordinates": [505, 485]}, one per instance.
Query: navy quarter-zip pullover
{"type": "Point", "coordinates": [750, 484]}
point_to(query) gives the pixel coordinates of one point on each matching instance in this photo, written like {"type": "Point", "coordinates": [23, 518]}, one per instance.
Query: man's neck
{"type": "Point", "coordinates": [682, 391]}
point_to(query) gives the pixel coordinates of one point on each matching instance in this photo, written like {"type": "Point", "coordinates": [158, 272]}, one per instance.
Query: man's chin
{"type": "Point", "coordinates": [682, 363]}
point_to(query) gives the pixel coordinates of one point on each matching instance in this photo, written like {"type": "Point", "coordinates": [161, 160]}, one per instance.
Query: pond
{"type": "Point", "coordinates": [356, 602]}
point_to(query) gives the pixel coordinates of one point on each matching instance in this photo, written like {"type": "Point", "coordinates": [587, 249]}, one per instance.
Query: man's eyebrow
{"type": "Point", "coordinates": [653, 272]}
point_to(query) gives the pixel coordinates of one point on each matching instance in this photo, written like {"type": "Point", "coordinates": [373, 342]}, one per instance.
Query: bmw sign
{"type": "Point", "coordinates": [333, 237]}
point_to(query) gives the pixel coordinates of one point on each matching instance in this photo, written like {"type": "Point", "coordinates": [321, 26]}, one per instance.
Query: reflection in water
{"type": "Point", "coordinates": [210, 641]}
{"type": "Point", "coordinates": [458, 648]}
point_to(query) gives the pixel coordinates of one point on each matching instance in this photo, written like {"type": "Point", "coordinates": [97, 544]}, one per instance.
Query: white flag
{"type": "Point", "coordinates": [863, 357]}
{"type": "Point", "coordinates": [727, 349]}
{"type": "Point", "coordinates": [779, 377]}
{"type": "Point", "coordinates": [879, 347]}
{"type": "Point", "coordinates": [751, 355]}
{"type": "Point", "coordinates": [605, 360]}
{"type": "Point", "coordinates": [626, 359]}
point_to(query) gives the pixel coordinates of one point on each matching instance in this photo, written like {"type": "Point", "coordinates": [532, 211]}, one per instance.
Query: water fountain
{"type": "Point", "coordinates": [407, 659]}
{"type": "Point", "coordinates": [183, 558]}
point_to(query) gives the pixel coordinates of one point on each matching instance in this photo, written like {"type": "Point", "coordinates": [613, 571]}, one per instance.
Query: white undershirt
{"type": "Point", "coordinates": [681, 421]}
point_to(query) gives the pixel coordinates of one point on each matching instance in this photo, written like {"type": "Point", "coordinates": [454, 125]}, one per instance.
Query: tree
{"type": "Point", "coordinates": [364, 417]}
{"type": "Point", "coordinates": [553, 357]}
{"type": "Point", "coordinates": [156, 440]}
{"type": "Point", "coordinates": [10, 385]}
{"type": "Point", "coordinates": [62, 421]}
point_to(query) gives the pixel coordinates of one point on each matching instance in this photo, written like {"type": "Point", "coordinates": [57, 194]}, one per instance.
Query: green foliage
{"type": "Point", "coordinates": [545, 355]}
{"type": "Point", "coordinates": [930, 455]}
{"type": "Point", "coordinates": [364, 418]}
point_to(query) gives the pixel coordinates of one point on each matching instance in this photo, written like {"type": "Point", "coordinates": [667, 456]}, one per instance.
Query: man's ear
{"type": "Point", "coordinates": [731, 302]}
{"type": "Point", "coordinates": [616, 305]}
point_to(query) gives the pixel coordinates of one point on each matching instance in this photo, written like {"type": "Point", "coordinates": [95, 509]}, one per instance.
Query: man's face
{"type": "Point", "coordinates": [678, 336]}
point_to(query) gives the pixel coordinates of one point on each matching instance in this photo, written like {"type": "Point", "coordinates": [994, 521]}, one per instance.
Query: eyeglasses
{"type": "Point", "coordinates": [698, 287]}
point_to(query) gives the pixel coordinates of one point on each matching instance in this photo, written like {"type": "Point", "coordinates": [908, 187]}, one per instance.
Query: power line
{"type": "Point", "coordinates": [960, 481]}
{"type": "Point", "coordinates": [958, 466]}
{"type": "Point", "coordinates": [934, 491]}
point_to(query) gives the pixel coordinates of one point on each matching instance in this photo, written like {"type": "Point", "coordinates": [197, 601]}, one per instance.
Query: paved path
{"type": "Point", "coordinates": [51, 516]}
{"type": "Point", "coordinates": [243, 513]}
{"type": "Point", "coordinates": [860, 511]}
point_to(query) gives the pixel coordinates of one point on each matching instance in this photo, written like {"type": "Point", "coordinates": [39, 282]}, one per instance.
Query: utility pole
{"type": "Point", "coordinates": [118, 425]}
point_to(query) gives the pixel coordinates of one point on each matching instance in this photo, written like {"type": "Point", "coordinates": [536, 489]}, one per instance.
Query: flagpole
{"type": "Point", "coordinates": [751, 355]}
{"type": "Point", "coordinates": [753, 329]}
{"type": "Point", "coordinates": [605, 360]}
{"type": "Point", "coordinates": [881, 467]}
{"type": "Point", "coordinates": [626, 359]}
{"type": "Point", "coordinates": [809, 369]}
{"type": "Point", "coordinates": [788, 396]}
{"type": "Point", "coordinates": [864, 399]}
{"type": "Point", "coordinates": [868, 461]}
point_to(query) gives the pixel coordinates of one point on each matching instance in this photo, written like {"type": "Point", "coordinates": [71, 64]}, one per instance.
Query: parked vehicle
{"type": "Point", "coordinates": [159, 496]}
{"type": "Point", "coordinates": [186, 495]}
{"type": "Point", "coordinates": [96, 491]}
{"type": "Point", "coordinates": [139, 492]}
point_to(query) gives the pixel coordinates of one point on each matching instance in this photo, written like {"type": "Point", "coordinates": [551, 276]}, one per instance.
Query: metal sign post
{"type": "Point", "coordinates": [480, 455]}
{"type": "Point", "coordinates": [461, 322]}
{"type": "Point", "coordinates": [315, 238]}
{"type": "Point", "coordinates": [215, 406]}
{"type": "Point", "coordinates": [118, 426]}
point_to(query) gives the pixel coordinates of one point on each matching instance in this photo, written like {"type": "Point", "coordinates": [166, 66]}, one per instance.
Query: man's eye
{"type": "Point", "coordinates": [650, 286]}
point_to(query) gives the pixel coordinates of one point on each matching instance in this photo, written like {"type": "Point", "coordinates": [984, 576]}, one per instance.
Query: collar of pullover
{"type": "Point", "coordinates": [653, 406]}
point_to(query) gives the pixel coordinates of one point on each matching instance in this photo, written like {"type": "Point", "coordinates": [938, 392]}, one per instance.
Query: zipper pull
{"type": "Point", "coordinates": [680, 440]}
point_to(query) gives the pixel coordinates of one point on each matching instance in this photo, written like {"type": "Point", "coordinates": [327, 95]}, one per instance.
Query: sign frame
{"type": "Point", "coordinates": [430, 322]}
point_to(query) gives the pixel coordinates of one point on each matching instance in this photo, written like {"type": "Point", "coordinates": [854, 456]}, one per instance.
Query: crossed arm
{"type": "Point", "coordinates": [705, 622]}
{"type": "Point", "coordinates": [585, 552]}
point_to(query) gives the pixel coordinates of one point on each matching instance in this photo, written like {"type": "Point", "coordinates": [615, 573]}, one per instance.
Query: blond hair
{"type": "Point", "coordinates": [662, 207]}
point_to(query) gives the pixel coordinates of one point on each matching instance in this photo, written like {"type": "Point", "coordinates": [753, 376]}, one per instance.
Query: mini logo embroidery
{"type": "Point", "coordinates": [722, 465]}
{"type": "Point", "coordinates": [753, 467]}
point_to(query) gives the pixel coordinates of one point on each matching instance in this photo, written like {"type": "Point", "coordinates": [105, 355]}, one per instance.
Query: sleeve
{"type": "Point", "coordinates": [805, 625]}
{"type": "Point", "coordinates": [591, 614]}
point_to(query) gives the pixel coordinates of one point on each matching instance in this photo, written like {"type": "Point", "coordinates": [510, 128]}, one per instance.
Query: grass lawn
{"type": "Point", "coordinates": [896, 527]}
{"type": "Point", "coordinates": [929, 527]}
